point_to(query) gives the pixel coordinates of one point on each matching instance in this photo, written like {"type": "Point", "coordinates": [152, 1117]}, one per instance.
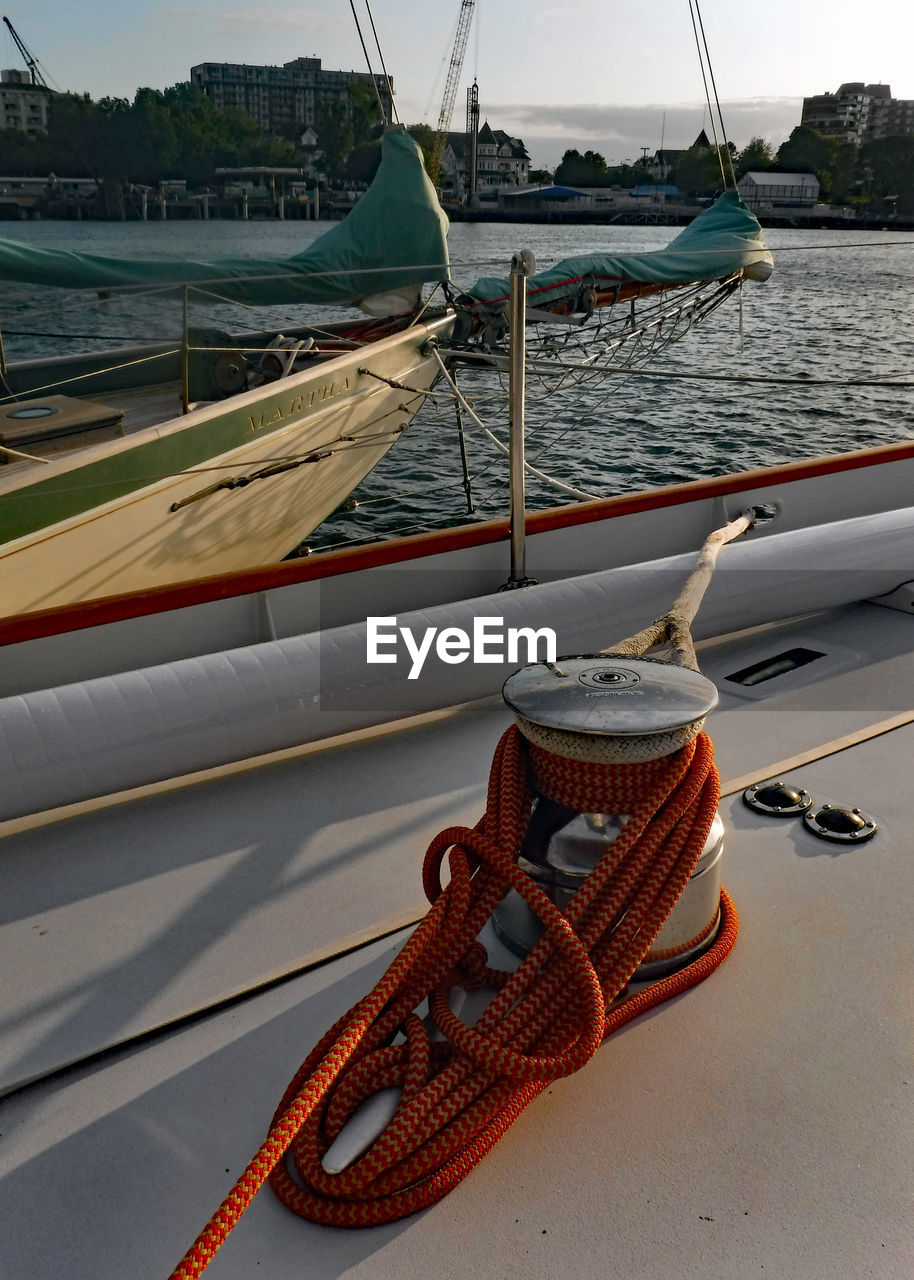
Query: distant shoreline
{"type": "Point", "coordinates": [810, 220]}
{"type": "Point", "coordinates": [679, 215]}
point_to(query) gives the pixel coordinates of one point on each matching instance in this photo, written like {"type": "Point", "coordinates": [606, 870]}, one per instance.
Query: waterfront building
{"type": "Point", "coordinates": [285, 101]}
{"type": "Point", "coordinates": [501, 160]}
{"type": "Point", "coordinates": [770, 189]}
{"type": "Point", "coordinates": [858, 112]}
{"type": "Point", "coordinates": [662, 163]}
{"type": "Point", "coordinates": [24, 105]}
{"type": "Point", "coordinates": [554, 199]}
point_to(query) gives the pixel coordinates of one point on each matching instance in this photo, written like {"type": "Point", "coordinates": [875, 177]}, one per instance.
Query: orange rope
{"type": "Point", "coordinates": [547, 1019]}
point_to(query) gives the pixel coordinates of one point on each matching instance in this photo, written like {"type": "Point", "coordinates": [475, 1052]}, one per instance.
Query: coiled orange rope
{"type": "Point", "coordinates": [546, 1020]}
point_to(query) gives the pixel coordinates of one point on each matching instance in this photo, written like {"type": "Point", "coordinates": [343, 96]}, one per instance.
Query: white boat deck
{"type": "Point", "coordinates": [758, 1126]}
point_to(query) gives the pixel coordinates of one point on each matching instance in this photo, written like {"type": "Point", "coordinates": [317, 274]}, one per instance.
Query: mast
{"type": "Point", "coordinates": [472, 139]}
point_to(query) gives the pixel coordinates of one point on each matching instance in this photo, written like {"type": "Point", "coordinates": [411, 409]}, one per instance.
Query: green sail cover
{"type": "Point", "coordinates": [396, 236]}
{"type": "Point", "coordinates": [723, 238]}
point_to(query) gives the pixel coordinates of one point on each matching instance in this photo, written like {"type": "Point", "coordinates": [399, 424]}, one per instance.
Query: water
{"type": "Point", "coordinates": [839, 305]}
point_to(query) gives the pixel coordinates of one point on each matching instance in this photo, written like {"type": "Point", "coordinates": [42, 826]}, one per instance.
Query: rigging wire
{"type": "Point", "coordinates": [695, 4]}
{"type": "Point", "coordinates": [358, 27]}
{"type": "Point", "coordinates": [167, 292]}
{"type": "Point", "coordinates": [528, 467]}
{"type": "Point", "coordinates": [390, 91]}
{"type": "Point", "coordinates": [866, 244]}
{"type": "Point", "coordinates": [701, 63]}
{"type": "Point", "coordinates": [889, 380]}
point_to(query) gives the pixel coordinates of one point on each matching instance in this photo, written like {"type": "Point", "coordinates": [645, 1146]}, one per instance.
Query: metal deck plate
{"type": "Point", "coordinates": [609, 695]}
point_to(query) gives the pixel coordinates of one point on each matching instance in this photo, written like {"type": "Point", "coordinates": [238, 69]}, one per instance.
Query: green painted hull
{"type": "Point", "coordinates": [148, 509]}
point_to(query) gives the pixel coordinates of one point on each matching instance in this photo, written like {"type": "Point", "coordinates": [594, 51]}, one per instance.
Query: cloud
{"type": "Point", "coordinates": [618, 132]}
{"type": "Point", "coordinates": [259, 18]}
{"type": "Point", "coordinates": [266, 18]}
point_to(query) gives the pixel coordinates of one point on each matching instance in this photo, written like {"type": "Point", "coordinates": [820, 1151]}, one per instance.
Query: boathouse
{"type": "Point", "coordinates": [771, 188]}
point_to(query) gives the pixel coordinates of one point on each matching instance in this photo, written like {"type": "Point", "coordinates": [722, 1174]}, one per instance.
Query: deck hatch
{"type": "Point", "coordinates": [778, 665]}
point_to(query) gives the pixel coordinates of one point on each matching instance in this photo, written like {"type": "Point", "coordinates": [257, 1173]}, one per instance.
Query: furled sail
{"type": "Point", "coordinates": [393, 241]}
{"type": "Point", "coordinates": [723, 239]}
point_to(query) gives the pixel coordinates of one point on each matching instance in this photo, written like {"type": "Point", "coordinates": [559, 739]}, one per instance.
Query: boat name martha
{"type": "Point", "coordinates": [490, 641]}
{"type": "Point", "coordinates": [304, 400]}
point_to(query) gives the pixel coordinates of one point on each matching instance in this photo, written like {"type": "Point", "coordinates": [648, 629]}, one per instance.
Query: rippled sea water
{"type": "Point", "coordinates": [840, 304]}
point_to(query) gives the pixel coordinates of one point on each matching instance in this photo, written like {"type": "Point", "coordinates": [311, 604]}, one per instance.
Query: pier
{"type": "Point", "coordinates": [242, 194]}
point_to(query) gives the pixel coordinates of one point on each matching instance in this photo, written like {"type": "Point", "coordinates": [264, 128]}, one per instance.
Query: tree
{"type": "Point", "coordinates": [21, 153]}
{"type": "Point", "coordinates": [117, 138]}
{"type": "Point", "coordinates": [362, 162]}
{"type": "Point", "coordinates": [841, 176]}
{"type": "Point", "coordinates": [178, 133]}
{"type": "Point", "coordinates": [697, 172]}
{"type": "Point", "coordinates": [587, 170]}
{"type": "Point", "coordinates": [207, 137]}
{"type": "Point", "coordinates": [425, 135]}
{"type": "Point", "coordinates": [365, 112]}
{"type": "Point", "coordinates": [597, 162]}
{"type": "Point", "coordinates": [805, 151]}
{"type": "Point", "coordinates": [344, 122]}
{"type": "Point", "coordinates": [889, 167]}
{"type": "Point", "coordinates": [756, 156]}
{"type": "Point", "coordinates": [335, 134]}
{"type": "Point", "coordinates": [155, 148]}
{"type": "Point", "coordinates": [832, 160]}
{"type": "Point", "coordinates": [75, 137]}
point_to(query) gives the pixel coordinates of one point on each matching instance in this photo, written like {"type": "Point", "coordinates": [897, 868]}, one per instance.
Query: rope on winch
{"type": "Point", "coordinates": [675, 626]}
{"type": "Point", "coordinates": [460, 1093]}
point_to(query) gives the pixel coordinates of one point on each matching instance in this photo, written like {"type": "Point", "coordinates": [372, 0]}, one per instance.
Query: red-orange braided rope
{"type": "Point", "coordinates": [546, 1020]}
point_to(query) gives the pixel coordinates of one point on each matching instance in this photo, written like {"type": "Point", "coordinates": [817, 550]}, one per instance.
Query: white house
{"type": "Point", "coordinates": [501, 161]}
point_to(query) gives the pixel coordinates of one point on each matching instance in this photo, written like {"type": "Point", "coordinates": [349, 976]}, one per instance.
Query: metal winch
{"type": "Point", "coordinates": [609, 709]}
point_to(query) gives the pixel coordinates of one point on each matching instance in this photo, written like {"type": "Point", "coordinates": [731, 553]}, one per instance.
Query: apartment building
{"type": "Point", "coordinates": [283, 100]}
{"type": "Point", "coordinates": [23, 105]}
{"type": "Point", "coordinates": [858, 112]}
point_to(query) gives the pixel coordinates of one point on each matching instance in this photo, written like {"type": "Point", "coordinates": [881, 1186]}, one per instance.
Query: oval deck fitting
{"type": "Point", "coordinates": [834, 822]}
{"type": "Point", "coordinates": [778, 799]}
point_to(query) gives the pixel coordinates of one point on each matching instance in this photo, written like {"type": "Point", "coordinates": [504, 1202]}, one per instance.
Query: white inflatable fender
{"type": "Point", "coordinates": [104, 735]}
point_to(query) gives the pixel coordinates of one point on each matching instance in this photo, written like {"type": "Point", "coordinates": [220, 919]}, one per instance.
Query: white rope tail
{"type": "Point", "coordinates": [675, 625]}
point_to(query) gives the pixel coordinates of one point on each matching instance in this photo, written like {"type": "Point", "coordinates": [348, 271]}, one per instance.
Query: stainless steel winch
{"type": "Point", "coordinates": [611, 709]}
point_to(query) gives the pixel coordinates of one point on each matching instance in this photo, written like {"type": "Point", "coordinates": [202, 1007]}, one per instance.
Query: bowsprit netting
{"type": "Point", "coordinates": [617, 338]}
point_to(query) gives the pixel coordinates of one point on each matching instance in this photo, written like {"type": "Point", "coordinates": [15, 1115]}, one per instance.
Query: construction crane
{"type": "Point", "coordinates": [450, 88]}
{"type": "Point", "coordinates": [30, 62]}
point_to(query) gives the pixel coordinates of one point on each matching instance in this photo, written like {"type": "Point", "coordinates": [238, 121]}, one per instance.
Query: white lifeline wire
{"type": "Point", "coordinates": [528, 467]}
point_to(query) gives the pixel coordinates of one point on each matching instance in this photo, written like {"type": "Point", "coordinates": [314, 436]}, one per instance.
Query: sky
{"type": "Point", "coordinates": [613, 76]}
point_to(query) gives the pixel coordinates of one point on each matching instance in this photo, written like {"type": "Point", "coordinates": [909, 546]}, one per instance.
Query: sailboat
{"type": "Point", "coordinates": [214, 812]}
{"type": "Point", "coordinates": [214, 804]}
{"type": "Point", "coordinates": [145, 465]}
{"type": "Point", "coordinates": [106, 490]}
